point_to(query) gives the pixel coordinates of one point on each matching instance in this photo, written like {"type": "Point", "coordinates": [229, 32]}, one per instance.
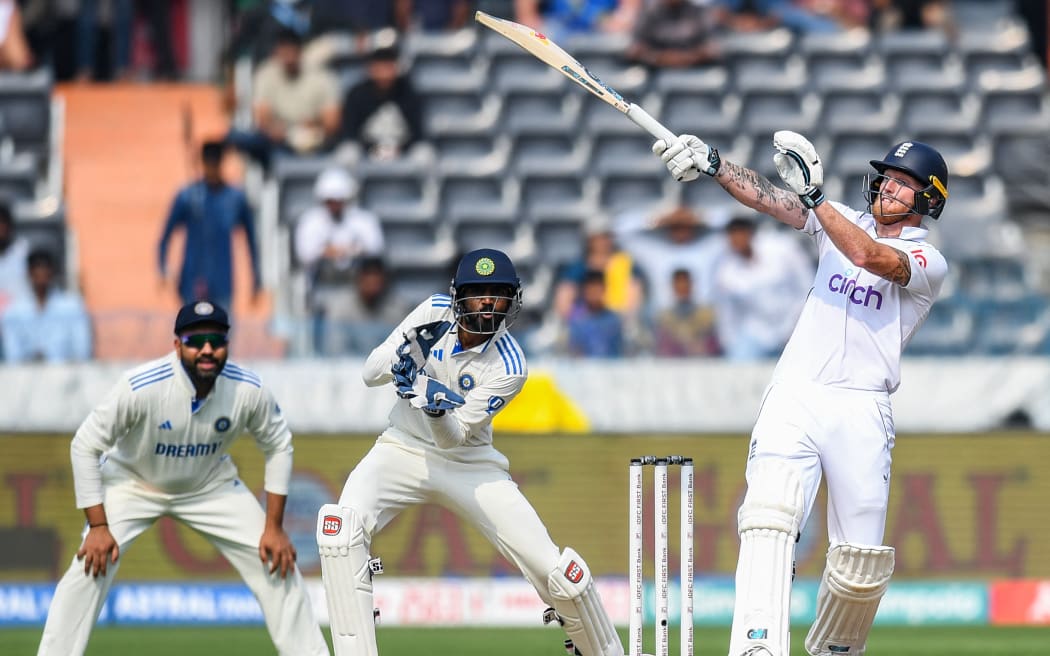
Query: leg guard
{"type": "Point", "coordinates": [768, 522]}
{"type": "Point", "coordinates": [346, 571]}
{"type": "Point", "coordinates": [850, 591]}
{"type": "Point", "coordinates": [580, 608]}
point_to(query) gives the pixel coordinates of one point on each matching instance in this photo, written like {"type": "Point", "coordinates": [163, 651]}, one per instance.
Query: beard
{"type": "Point", "coordinates": [203, 368]}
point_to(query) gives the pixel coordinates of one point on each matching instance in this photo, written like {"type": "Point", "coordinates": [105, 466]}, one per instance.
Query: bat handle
{"type": "Point", "coordinates": [643, 120]}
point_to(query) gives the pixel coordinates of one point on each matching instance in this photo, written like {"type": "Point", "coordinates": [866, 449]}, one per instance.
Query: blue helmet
{"type": "Point", "coordinates": [493, 274]}
{"type": "Point", "coordinates": [922, 162]}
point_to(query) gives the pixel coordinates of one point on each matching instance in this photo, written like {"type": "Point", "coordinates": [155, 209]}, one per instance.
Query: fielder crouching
{"type": "Point", "coordinates": [827, 410]}
{"type": "Point", "coordinates": [453, 366]}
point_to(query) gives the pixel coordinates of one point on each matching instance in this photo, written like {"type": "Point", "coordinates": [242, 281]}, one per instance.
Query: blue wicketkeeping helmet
{"type": "Point", "coordinates": [921, 161]}
{"type": "Point", "coordinates": [485, 267]}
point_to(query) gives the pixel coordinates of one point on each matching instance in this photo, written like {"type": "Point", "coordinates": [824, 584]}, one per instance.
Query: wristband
{"type": "Point", "coordinates": [812, 198]}
{"type": "Point", "coordinates": [714, 162]}
{"type": "Point", "coordinates": [97, 525]}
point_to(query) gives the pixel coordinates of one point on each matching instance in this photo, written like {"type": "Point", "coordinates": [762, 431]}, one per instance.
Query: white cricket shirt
{"type": "Point", "coordinates": [488, 376]}
{"type": "Point", "coordinates": [151, 429]}
{"type": "Point", "coordinates": [357, 233]}
{"type": "Point", "coordinates": [855, 324]}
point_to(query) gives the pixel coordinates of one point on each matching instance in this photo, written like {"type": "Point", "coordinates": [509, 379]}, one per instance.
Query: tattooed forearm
{"type": "Point", "coordinates": [901, 274]}
{"type": "Point", "coordinates": [758, 193]}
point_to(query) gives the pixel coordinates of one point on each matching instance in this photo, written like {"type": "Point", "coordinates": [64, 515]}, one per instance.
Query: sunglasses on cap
{"type": "Point", "coordinates": [198, 340]}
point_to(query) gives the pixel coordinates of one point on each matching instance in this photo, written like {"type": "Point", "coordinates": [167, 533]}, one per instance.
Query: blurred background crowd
{"type": "Point", "coordinates": [319, 165]}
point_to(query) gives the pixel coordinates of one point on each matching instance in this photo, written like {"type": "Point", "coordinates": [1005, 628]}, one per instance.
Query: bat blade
{"type": "Point", "coordinates": [542, 48]}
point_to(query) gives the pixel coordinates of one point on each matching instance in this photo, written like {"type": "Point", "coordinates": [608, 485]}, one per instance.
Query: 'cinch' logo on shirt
{"type": "Point", "coordinates": [857, 294]}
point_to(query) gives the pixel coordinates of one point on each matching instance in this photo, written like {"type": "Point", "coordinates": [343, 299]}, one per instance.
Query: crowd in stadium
{"type": "Point", "coordinates": [342, 87]}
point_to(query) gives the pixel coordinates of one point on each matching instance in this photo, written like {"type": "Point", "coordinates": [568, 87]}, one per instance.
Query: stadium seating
{"type": "Point", "coordinates": [523, 158]}
{"type": "Point", "coordinates": [25, 112]}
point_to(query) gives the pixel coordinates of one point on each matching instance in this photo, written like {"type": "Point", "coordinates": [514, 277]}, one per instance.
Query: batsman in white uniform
{"type": "Point", "coordinates": [453, 366]}
{"type": "Point", "coordinates": [827, 410]}
{"type": "Point", "coordinates": [156, 446]}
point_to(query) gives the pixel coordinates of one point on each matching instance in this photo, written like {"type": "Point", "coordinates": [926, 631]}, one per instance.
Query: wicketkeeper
{"type": "Point", "coordinates": [453, 366]}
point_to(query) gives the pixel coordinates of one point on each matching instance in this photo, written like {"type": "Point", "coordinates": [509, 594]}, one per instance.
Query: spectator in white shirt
{"type": "Point", "coordinates": [673, 240]}
{"type": "Point", "coordinates": [331, 238]}
{"type": "Point", "coordinates": [760, 284]}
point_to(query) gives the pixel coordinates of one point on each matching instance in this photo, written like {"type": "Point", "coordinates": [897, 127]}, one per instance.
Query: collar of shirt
{"type": "Point", "coordinates": [186, 384]}
{"type": "Point", "coordinates": [908, 233]}
{"type": "Point", "coordinates": [482, 347]}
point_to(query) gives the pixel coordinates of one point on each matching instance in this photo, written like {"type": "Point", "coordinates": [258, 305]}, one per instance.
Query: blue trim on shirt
{"type": "Point", "coordinates": [507, 364]}
{"type": "Point", "coordinates": [440, 301]}
{"type": "Point", "coordinates": [139, 377]}
{"type": "Point", "coordinates": [241, 371]}
{"type": "Point", "coordinates": [239, 378]}
{"type": "Point", "coordinates": [150, 381]}
{"type": "Point", "coordinates": [513, 352]}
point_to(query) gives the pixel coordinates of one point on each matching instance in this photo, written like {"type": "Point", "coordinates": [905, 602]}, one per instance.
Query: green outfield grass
{"type": "Point", "coordinates": [253, 641]}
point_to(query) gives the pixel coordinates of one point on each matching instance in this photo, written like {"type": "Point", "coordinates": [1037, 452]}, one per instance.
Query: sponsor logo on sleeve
{"type": "Point", "coordinates": [920, 257]}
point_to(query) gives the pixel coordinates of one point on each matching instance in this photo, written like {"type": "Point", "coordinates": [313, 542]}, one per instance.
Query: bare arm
{"type": "Point", "coordinates": [268, 123]}
{"type": "Point", "coordinates": [863, 251]}
{"type": "Point", "coordinates": [758, 193]}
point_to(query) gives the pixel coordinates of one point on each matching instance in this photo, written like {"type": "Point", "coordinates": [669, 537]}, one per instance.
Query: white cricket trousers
{"type": "Point", "coordinates": [393, 476]}
{"type": "Point", "coordinates": [229, 517]}
{"type": "Point", "coordinates": [846, 434]}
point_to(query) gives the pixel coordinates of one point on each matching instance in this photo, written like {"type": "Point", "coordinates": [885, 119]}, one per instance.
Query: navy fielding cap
{"type": "Point", "coordinates": [200, 312]}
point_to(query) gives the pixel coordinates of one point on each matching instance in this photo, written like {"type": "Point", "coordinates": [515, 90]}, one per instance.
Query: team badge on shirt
{"type": "Point", "coordinates": [466, 382]}
{"type": "Point", "coordinates": [222, 424]}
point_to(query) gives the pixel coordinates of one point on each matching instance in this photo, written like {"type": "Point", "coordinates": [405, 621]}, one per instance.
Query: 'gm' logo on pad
{"type": "Point", "coordinates": [331, 525]}
{"type": "Point", "coordinates": [574, 572]}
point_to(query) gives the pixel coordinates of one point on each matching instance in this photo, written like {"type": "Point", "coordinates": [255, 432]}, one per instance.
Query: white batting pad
{"type": "Point", "coordinates": [580, 608]}
{"type": "Point", "coordinates": [768, 523]}
{"type": "Point", "coordinates": [347, 576]}
{"type": "Point", "coordinates": [854, 581]}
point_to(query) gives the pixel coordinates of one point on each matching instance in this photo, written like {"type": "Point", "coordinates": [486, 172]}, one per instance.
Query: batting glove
{"type": "Point", "coordinates": [687, 157]}
{"type": "Point", "coordinates": [799, 166]}
{"type": "Point", "coordinates": [430, 396]}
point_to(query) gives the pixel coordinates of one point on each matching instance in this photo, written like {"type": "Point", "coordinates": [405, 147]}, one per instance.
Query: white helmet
{"type": "Point", "coordinates": [335, 184]}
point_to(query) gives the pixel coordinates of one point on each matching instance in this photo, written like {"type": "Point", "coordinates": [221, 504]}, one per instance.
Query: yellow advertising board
{"type": "Point", "coordinates": [967, 506]}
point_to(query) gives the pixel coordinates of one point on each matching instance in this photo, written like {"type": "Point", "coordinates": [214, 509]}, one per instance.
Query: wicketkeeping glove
{"type": "Point", "coordinates": [413, 353]}
{"type": "Point", "coordinates": [430, 396]}
{"type": "Point", "coordinates": [687, 157]}
{"type": "Point", "coordinates": [799, 166]}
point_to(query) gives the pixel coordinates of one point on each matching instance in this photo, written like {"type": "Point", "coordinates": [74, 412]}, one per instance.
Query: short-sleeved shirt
{"type": "Point", "coordinates": [296, 100]}
{"type": "Point", "coordinates": [855, 324]}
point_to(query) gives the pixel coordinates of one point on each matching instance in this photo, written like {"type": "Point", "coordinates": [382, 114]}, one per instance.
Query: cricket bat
{"type": "Point", "coordinates": [542, 48]}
